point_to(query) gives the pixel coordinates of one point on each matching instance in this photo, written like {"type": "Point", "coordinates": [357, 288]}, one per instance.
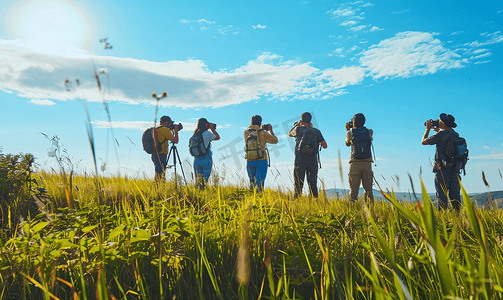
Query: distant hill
{"type": "Point", "coordinates": [482, 199]}
{"type": "Point", "coordinates": [478, 199]}
{"type": "Point", "coordinates": [402, 196]}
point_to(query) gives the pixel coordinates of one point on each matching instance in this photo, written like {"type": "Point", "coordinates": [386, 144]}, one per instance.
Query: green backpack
{"type": "Point", "coordinates": [253, 150]}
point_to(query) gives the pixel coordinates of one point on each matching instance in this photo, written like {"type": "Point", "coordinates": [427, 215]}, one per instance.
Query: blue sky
{"type": "Point", "coordinates": [398, 62]}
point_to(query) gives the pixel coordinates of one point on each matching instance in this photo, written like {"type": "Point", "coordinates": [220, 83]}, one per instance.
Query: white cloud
{"type": "Point", "coordinates": [204, 28]}
{"type": "Point", "coordinates": [190, 83]}
{"type": "Point", "coordinates": [42, 102]}
{"type": "Point", "coordinates": [480, 56]}
{"type": "Point", "coordinates": [342, 12]}
{"type": "Point", "coordinates": [477, 51]}
{"type": "Point", "coordinates": [358, 28]}
{"type": "Point", "coordinates": [407, 54]}
{"type": "Point", "coordinates": [368, 4]}
{"type": "Point", "coordinates": [486, 147]}
{"type": "Point", "coordinates": [224, 29]}
{"type": "Point", "coordinates": [482, 62]}
{"type": "Point", "coordinates": [184, 21]}
{"type": "Point", "coordinates": [259, 26]}
{"type": "Point", "coordinates": [375, 28]}
{"type": "Point", "coordinates": [205, 21]}
{"type": "Point", "coordinates": [348, 23]}
{"type": "Point", "coordinates": [492, 38]}
{"type": "Point", "coordinates": [456, 33]}
{"type": "Point", "coordinates": [402, 11]}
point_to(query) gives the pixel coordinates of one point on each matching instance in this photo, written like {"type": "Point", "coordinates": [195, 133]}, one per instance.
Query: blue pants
{"type": "Point", "coordinates": [446, 183]}
{"type": "Point", "coordinates": [257, 170]}
{"type": "Point", "coordinates": [160, 162]}
{"type": "Point", "coordinates": [202, 169]}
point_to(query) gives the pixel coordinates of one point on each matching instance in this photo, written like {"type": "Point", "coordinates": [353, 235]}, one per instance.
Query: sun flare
{"type": "Point", "coordinates": [50, 24]}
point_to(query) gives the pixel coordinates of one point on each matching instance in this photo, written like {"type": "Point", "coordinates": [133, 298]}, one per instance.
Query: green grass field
{"type": "Point", "coordinates": [125, 238]}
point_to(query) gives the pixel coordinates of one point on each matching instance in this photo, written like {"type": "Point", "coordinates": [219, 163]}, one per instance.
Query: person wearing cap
{"type": "Point", "coordinates": [257, 168]}
{"type": "Point", "coordinates": [164, 135]}
{"type": "Point", "coordinates": [204, 164]}
{"type": "Point", "coordinates": [359, 138]}
{"type": "Point", "coordinates": [446, 180]}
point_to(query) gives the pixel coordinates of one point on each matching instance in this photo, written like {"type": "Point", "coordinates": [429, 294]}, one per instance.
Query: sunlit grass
{"type": "Point", "coordinates": [137, 239]}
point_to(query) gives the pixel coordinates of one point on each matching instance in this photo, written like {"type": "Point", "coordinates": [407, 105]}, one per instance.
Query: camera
{"type": "Point", "coordinates": [350, 123]}
{"type": "Point", "coordinates": [266, 126]}
{"type": "Point", "coordinates": [214, 125]}
{"type": "Point", "coordinates": [434, 123]}
{"type": "Point", "coordinates": [171, 125]}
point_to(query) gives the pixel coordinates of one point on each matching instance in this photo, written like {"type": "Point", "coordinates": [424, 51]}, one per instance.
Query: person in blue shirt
{"type": "Point", "coordinates": [204, 164]}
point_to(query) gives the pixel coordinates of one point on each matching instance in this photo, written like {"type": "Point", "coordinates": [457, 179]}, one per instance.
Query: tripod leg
{"type": "Point", "coordinates": [180, 163]}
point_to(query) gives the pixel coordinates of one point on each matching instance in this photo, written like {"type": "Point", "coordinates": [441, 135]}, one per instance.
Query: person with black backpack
{"type": "Point", "coordinates": [161, 137]}
{"type": "Point", "coordinates": [450, 158]}
{"type": "Point", "coordinates": [307, 145]}
{"type": "Point", "coordinates": [359, 138]}
{"type": "Point", "coordinates": [256, 138]}
{"type": "Point", "coordinates": [199, 147]}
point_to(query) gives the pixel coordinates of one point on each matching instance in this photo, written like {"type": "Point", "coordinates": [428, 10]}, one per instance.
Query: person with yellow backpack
{"type": "Point", "coordinates": [256, 137]}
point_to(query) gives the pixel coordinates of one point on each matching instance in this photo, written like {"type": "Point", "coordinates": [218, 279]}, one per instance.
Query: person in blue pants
{"type": "Point", "coordinates": [204, 164]}
{"type": "Point", "coordinates": [256, 156]}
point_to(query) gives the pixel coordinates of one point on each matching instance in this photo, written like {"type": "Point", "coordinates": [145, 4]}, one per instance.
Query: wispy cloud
{"type": "Point", "coordinates": [259, 26]}
{"type": "Point", "coordinates": [375, 28]}
{"type": "Point", "coordinates": [491, 38]}
{"type": "Point", "coordinates": [185, 21]}
{"type": "Point", "coordinates": [342, 12]}
{"type": "Point", "coordinates": [456, 33]}
{"type": "Point", "coordinates": [205, 21]}
{"type": "Point", "coordinates": [42, 102]}
{"type": "Point", "coordinates": [486, 147]}
{"type": "Point", "coordinates": [348, 23]}
{"type": "Point", "coordinates": [477, 51]}
{"type": "Point", "coordinates": [482, 62]}
{"type": "Point", "coordinates": [225, 29]}
{"type": "Point", "coordinates": [368, 4]}
{"type": "Point", "coordinates": [402, 11]}
{"type": "Point", "coordinates": [358, 28]}
{"type": "Point", "coordinates": [481, 56]}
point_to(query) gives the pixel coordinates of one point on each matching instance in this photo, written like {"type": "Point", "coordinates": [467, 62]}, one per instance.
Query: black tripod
{"type": "Point", "coordinates": [174, 151]}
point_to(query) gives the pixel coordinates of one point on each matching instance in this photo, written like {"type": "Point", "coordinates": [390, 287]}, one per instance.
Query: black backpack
{"type": "Point", "coordinates": [456, 154]}
{"type": "Point", "coordinates": [196, 145]}
{"type": "Point", "coordinates": [308, 144]}
{"type": "Point", "coordinates": [149, 139]}
{"type": "Point", "coordinates": [361, 143]}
